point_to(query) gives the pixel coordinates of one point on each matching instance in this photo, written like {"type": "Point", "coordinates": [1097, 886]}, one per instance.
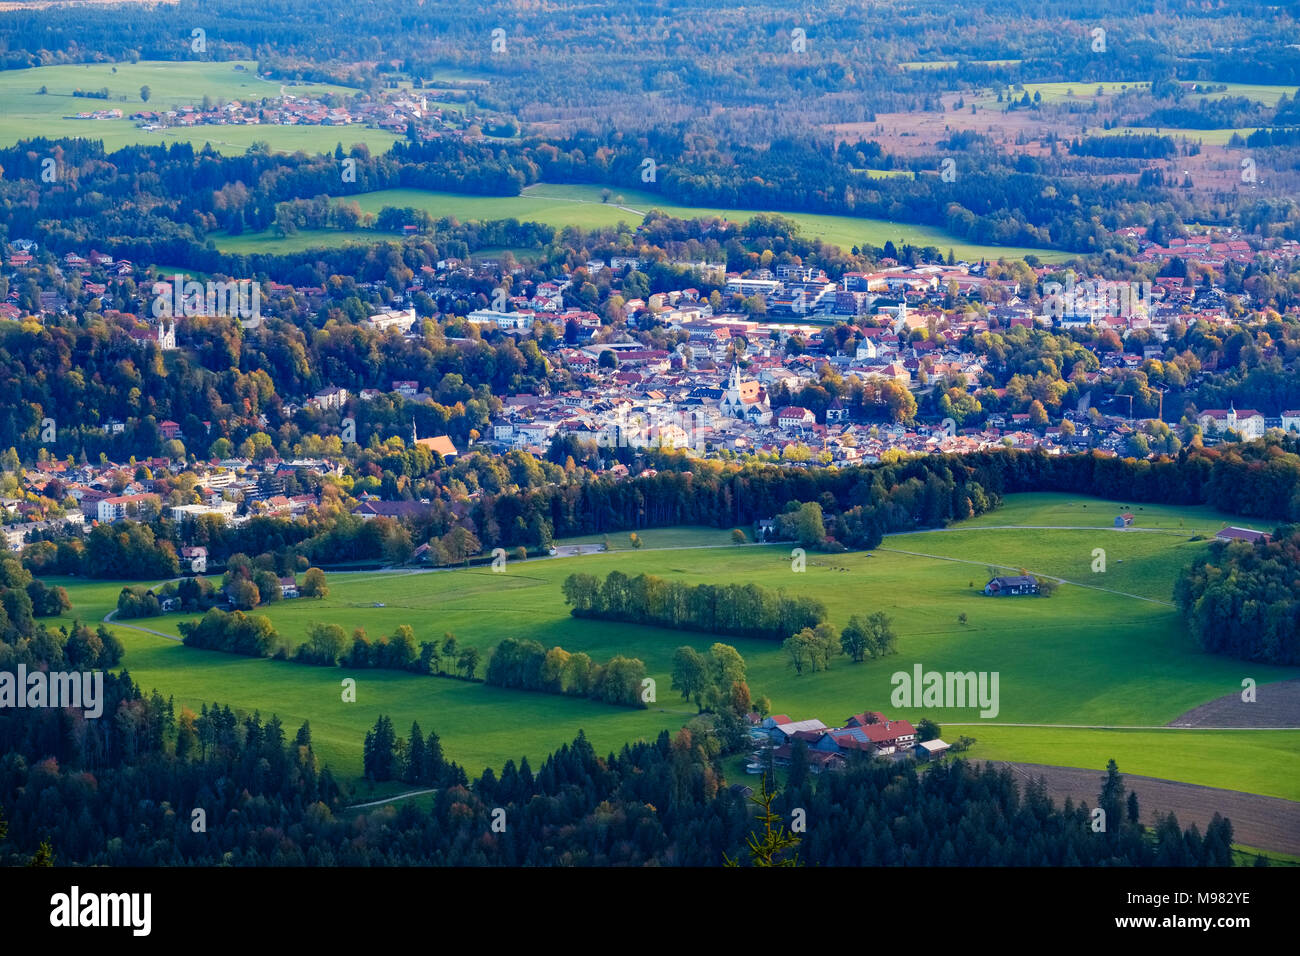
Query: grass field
{"type": "Point", "coordinates": [25, 112]}
{"type": "Point", "coordinates": [1210, 137]}
{"type": "Point", "coordinates": [568, 205]}
{"type": "Point", "coordinates": [1085, 656]}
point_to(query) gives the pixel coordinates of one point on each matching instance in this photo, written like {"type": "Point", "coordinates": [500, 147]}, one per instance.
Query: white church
{"type": "Point", "coordinates": [745, 399]}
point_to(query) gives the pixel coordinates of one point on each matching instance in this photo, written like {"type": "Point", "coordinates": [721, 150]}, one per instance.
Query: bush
{"type": "Point", "coordinates": [137, 602]}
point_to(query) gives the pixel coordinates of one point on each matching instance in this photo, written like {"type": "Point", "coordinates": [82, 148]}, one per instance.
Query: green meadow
{"type": "Point", "coordinates": [578, 205]}
{"type": "Point", "coordinates": [1209, 137]}
{"type": "Point", "coordinates": [1104, 651]}
{"type": "Point", "coordinates": [26, 112]}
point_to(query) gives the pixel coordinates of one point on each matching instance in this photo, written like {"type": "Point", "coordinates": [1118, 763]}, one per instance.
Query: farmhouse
{"type": "Point", "coordinates": [869, 733]}
{"type": "Point", "coordinates": [1124, 521]}
{"type": "Point", "coordinates": [1015, 584]}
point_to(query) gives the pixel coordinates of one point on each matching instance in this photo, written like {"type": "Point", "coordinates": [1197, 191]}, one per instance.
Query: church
{"type": "Point", "coordinates": [745, 399]}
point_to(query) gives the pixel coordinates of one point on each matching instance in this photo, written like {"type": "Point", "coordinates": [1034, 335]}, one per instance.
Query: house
{"type": "Point", "coordinates": [1242, 534]}
{"type": "Point", "coordinates": [1015, 584]}
{"type": "Point", "coordinates": [794, 416]}
{"type": "Point", "coordinates": [1124, 521]}
{"type": "Point", "coordinates": [390, 509]}
{"type": "Point", "coordinates": [169, 429]}
{"type": "Point", "coordinates": [16, 536]}
{"type": "Point", "coordinates": [288, 587]}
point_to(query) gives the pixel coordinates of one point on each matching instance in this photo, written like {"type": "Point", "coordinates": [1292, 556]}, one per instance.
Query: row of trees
{"type": "Point", "coordinates": [745, 610]}
{"type": "Point", "coordinates": [526, 665]}
{"type": "Point", "coordinates": [327, 646]}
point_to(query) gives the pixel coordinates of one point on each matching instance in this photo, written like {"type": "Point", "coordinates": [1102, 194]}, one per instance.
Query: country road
{"type": "Point", "coordinates": [109, 619]}
{"type": "Point", "coordinates": [392, 799]}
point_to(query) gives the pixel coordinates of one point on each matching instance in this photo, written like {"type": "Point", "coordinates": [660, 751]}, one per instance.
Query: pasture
{"type": "Point", "coordinates": [26, 112]}
{"type": "Point", "coordinates": [1105, 651]}
{"type": "Point", "coordinates": [579, 205]}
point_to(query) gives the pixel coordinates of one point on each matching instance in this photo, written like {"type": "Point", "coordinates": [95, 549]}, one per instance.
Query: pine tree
{"type": "Point", "coordinates": [766, 850]}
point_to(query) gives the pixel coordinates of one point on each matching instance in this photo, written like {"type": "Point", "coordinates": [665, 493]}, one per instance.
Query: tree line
{"type": "Point", "coordinates": [526, 665]}
{"type": "Point", "coordinates": [660, 802]}
{"type": "Point", "coordinates": [743, 610]}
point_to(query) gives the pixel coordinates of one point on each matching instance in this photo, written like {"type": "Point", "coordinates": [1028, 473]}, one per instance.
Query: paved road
{"type": "Point", "coordinates": [108, 619]}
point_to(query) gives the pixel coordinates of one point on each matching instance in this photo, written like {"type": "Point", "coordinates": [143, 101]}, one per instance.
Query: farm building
{"type": "Point", "coordinates": [1015, 584]}
{"type": "Point", "coordinates": [1124, 521]}
{"type": "Point", "coordinates": [930, 749]}
{"type": "Point", "coordinates": [1242, 534]}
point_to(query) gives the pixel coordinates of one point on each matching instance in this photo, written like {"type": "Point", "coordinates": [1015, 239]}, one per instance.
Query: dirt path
{"type": "Point", "coordinates": [1275, 705]}
{"type": "Point", "coordinates": [1269, 823]}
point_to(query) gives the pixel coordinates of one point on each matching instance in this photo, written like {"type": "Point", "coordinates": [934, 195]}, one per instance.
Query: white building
{"type": "Point", "coordinates": [1247, 422]}
{"type": "Point", "coordinates": [401, 319]}
{"type": "Point", "coordinates": [507, 321]}
{"type": "Point", "coordinates": [224, 510]}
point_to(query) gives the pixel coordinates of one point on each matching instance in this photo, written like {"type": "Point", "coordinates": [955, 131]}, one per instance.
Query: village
{"type": "Point", "coordinates": [727, 389]}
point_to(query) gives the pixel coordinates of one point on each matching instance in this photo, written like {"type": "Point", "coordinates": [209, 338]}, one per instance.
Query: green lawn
{"type": "Point", "coordinates": [25, 112]}
{"type": "Point", "coordinates": [1260, 761]}
{"type": "Point", "coordinates": [1083, 656]}
{"type": "Point", "coordinates": [1210, 137]}
{"type": "Point", "coordinates": [567, 205]}
{"type": "Point", "coordinates": [1054, 509]}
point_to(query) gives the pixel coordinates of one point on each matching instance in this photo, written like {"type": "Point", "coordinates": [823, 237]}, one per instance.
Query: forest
{"type": "Point", "coordinates": [151, 786]}
{"type": "Point", "coordinates": [1242, 599]}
